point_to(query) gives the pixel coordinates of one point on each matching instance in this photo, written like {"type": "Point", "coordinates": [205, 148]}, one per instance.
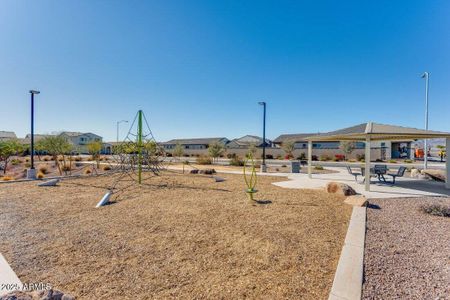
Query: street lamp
{"type": "Point", "coordinates": [263, 165]}
{"type": "Point", "coordinates": [118, 122]}
{"type": "Point", "coordinates": [426, 75]}
{"type": "Point", "coordinates": [31, 174]}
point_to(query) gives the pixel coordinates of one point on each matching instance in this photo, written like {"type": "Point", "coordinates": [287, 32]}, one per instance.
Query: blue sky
{"type": "Point", "coordinates": [198, 68]}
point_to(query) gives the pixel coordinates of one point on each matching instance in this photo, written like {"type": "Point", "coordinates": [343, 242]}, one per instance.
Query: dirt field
{"type": "Point", "coordinates": [179, 236]}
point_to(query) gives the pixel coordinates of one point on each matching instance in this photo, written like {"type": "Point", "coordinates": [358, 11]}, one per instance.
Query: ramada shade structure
{"type": "Point", "coordinates": [371, 131]}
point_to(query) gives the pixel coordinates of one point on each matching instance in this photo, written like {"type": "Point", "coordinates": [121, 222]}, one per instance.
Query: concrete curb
{"type": "Point", "coordinates": [8, 279]}
{"type": "Point", "coordinates": [348, 279]}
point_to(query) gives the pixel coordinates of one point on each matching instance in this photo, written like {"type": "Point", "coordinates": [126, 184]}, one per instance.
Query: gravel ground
{"type": "Point", "coordinates": [179, 236]}
{"type": "Point", "coordinates": [407, 252]}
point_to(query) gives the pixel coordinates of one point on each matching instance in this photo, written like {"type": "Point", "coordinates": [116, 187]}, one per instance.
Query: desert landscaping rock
{"type": "Point", "coordinates": [356, 200]}
{"type": "Point", "coordinates": [340, 188]}
{"type": "Point", "coordinates": [407, 250]}
{"type": "Point", "coordinates": [37, 295]}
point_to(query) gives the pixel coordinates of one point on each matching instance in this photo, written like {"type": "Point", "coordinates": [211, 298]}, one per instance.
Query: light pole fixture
{"type": "Point", "coordinates": [32, 172]}
{"type": "Point", "coordinates": [263, 165]}
{"type": "Point", "coordinates": [426, 75]}
{"type": "Point", "coordinates": [118, 122]}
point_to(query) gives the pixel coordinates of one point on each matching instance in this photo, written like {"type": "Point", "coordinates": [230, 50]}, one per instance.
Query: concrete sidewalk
{"type": "Point", "coordinates": [404, 187]}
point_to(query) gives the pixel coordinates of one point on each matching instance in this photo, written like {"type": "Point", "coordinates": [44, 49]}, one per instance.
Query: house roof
{"type": "Point", "coordinates": [75, 133]}
{"type": "Point", "coordinates": [377, 131]}
{"type": "Point", "coordinates": [249, 140]}
{"type": "Point", "coordinates": [296, 137]}
{"type": "Point", "coordinates": [196, 141]}
{"type": "Point", "coordinates": [7, 135]}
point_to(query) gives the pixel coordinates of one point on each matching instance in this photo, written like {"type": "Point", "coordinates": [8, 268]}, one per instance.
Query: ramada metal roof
{"type": "Point", "coordinates": [377, 131]}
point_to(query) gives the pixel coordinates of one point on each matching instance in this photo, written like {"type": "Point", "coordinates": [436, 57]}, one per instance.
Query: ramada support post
{"type": "Point", "coordinates": [309, 159]}
{"type": "Point", "coordinates": [367, 165]}
{"type": "Point", "coordinates": [447, 164]}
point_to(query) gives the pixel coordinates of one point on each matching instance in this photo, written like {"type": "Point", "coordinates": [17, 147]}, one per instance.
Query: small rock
{"type": "Point", "coordinates": [356, 200]}
{"type": "Point", "coordinates": [340, 188]}
{"type": "Point", "coordinates": [194, 171]}
{"type": "Point", "coordinates": [415, 173]}
{"type": "Point", "coordinates": [219, 179]}
{"type": "Point", "coordinates": [67, 297]}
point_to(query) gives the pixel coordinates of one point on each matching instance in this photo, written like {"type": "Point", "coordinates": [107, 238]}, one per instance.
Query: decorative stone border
{"type": "Point", "coordinates": [8, 279]}
{"type": "Point", "coordinates": [348, 279]}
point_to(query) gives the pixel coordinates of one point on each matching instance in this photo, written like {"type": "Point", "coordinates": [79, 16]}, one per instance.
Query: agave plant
{"type": "Point", "coordinates": [250, 179]}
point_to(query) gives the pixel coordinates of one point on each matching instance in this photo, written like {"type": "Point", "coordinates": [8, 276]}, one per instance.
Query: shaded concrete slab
{"type": "Point", "coordinates": [404, 187]}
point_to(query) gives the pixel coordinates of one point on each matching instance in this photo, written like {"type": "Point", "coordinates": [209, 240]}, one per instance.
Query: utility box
{"type": "Point", "coordinates": [295, 167]}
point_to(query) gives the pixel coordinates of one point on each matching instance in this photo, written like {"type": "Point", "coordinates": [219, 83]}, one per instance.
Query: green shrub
{"type": "Point", "coordinates": [360, 157]}
{"type": "Point", "coordinates": [318, 167]}
{"type": "Point", "coordinates": [15, 162]}
{"type": "Point", "coordinates": [27, 165]}
{"type": "Point", "coordinates": [408, 161]}
{"type": "Point", "coordinates": [236, 161]}
{"type": "Point", "coordinates": [324, 157]}
{"type": "Point", "coordinates": [204, 160]}
{"type": "Point", "coordinates": [392, 161]}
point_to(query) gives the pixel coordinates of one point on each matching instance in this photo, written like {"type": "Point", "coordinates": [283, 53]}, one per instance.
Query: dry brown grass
{"type": "Point", "coordinates": [182, 236]}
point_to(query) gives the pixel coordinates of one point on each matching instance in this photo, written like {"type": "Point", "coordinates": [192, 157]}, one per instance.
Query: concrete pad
{"type": "Point", "coordinates": [8, 279]}
{"type": "Point", "coordinates": [404, 186]}
{"type": "Point", "coordinates": [348, 280]}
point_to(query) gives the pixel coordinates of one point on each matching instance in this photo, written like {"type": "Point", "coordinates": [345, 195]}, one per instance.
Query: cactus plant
{"type": "Point", "coordinates": [250, 180]}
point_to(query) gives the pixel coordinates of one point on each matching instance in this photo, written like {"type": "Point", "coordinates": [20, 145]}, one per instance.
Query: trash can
{"type": "Point", "coordinates": [295, 167]}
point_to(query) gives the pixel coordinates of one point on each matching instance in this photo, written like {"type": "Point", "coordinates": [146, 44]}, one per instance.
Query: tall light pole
{"type": "Point", "coordinates": [263, 165]}
{"type": "Point", "coordinates": [31, 174]}
{"type": "Point", "coordinates": [426, 75]}
{"type": "Point", "coordinates": [118, 122]}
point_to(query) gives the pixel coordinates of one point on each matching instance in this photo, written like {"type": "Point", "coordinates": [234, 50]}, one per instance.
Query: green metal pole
{"type": "Point", "coordinates": [139, 136]}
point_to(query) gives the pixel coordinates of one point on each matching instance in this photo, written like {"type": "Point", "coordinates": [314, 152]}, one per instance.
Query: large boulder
{"type": "Point", "coordinates": [340, 188]}
{"type": "Point", "coordinates": [415, 173]}
{"type": "Point", "coordinates": [356, 200]}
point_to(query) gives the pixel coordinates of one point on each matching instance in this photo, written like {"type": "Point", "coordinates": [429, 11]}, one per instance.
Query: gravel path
{"type": "Point", "coordinates": [407, 253]}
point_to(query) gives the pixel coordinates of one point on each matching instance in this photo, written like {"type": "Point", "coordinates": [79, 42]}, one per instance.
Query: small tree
{"type": "Point", "coordinates": [442, 152]}
{"type": "Point", "coordinates": [94, 149]}
{"type": "Point", "coordinates": [7, 150]}
{"type": "Point", "coordinates": [178, 151]}
{"type": "Point", "coordinates": [288, 147]}
{"type": "Point", "coordinates": [251, 151]}
{"type": "Point", "coordinates": [347, 147]}
{"type": "Point", "coordinates": [56, 146]}
{"type": "Point", "coordinates": [215, 150]}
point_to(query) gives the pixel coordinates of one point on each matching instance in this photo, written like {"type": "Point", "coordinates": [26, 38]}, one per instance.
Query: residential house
{"type": "Point", "coordinates": [7, 135]}
{"type": "Point", "coordinates": [194, 146]}
{"type": "Point", "coordinates": [80, 140]}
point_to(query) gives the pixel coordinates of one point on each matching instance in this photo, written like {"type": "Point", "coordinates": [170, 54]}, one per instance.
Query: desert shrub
{"type": "Point", "coordinates": [436, 210]}
{"type": "Point", "coordinates": [168, 154]}
{"type": "Point", "coordinates": [314, 158]}
{"type": "Point", "coordinates": [236, 161]}
{"type": "Point", "coordinates": [27, 159]}
{"type": "Point", "coordinates": [106, 168]}
{"type": "Point", "coordinates": [40, 175]}
{"type": "Point", "coordinates": [392, 161]}
{"type": "Point", "coordinates": [231, 155]}
{"type": "Point", "coordinates": [378, 160]}
{"type": "Point", "coordinates": [15, 162]}
{"type": "Point", "coordinates": [43, 169]}
{"type": "Point", "coordinates": [87, 171]}
{"type": "Point", "coordinates": [8, 178]}
{"type": "Point", "coordinates": [318, 168]}
{"type": "Point", "coordinates": [279, 157]}
{"type": "Point", "coordinates": [66, 168]}
{"type": "Point", "coordinates": [360, 157]}
{"type": "Point", "coordinates": [352, 160]}
{"type": "Point", "coordinates": [204, 160]}
{"type": "Point", "coordinates": [46, 158]}
{"type": "Point", "coordinates": [408, 161]}
{"type": "Point", "coordinates": [27, 165]}
{"type": "Point", "coordinates": [283, 166]}
{"type": "Point", "coordinates": [302, 156]}
{"type": "Point", "coordinates": [324, 157]}
{"type": "Point", "coordinates": [269, 156]}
